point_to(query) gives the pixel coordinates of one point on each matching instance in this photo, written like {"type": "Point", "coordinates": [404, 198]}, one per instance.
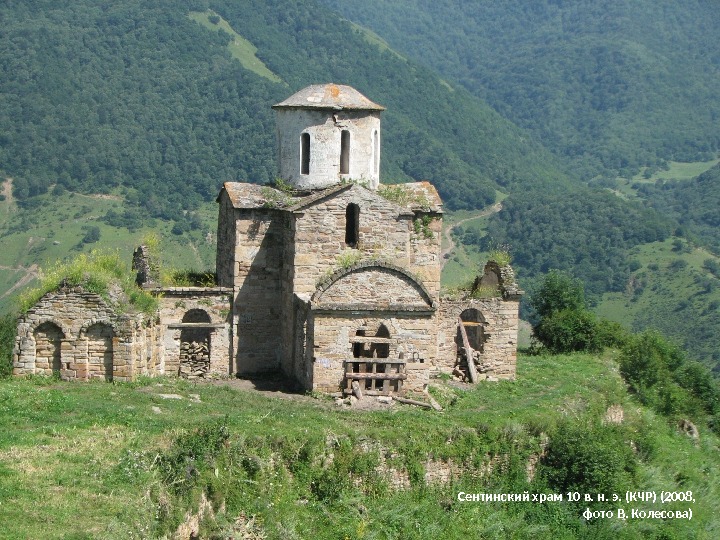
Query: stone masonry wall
{"type": "Point", "coordinates": [412, 338]}
{"type": "Point", "coordinates": [226, 241]}
{"type": "Point", "coordinates": [257, 306]}
{"type": "Point", "coordinates": [386, 233]}
{"type": "Point", "coordinates": [500, 347]}
{"type": "Point", "coordinates": [324, 127]}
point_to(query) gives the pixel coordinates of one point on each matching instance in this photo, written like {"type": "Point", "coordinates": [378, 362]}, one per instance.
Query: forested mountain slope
{"type": "Point", "coordinates": [137, 94]}
{"type": "Point", "coordinates": [612, 85]}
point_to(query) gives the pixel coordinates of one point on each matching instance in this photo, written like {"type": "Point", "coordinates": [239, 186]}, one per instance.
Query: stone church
{"type": "Point", "coordinates": [328, 277]}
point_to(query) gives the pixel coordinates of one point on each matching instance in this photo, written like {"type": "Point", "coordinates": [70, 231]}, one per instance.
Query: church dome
{"type": "Point", "coordinates": [329, 96]}
{"type": "Point", "coordinates": [328, 134]}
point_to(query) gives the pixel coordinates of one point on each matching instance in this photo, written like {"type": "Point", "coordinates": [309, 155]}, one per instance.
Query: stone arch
{"type": "Point", "coordinates": [368, 266]}
{"type": "Point", "coordinates": [195, 344]}
{"type": "Point", "coordinates": [370, 348]}
{"type": "Point", "coordinates": [87, 324]}
{"type": "Point", "coordinates": [48, 343]}
{"type": "Point", "coordinates": [99, 337]}
{"type": "Point", "coordinates": [196, 315]}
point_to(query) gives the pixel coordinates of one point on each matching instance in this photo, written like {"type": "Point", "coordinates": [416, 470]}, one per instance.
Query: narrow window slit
{"type": "Point", "coordinates": [305, 153]}
{"type": "Point", "coordinates": [352, 224]}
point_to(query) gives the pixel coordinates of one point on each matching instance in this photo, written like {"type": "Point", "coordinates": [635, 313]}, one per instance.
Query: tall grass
{"type": "Point", "coordinates": [101, 272]}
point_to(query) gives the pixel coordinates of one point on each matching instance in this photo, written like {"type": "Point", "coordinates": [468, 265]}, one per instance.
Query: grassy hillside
{"type": "Point", "coordinates": [127, 460]}
{"type": "Point", "coordinates": [57, 226]}
{"type": "Point", "coordinates": [673, 290]}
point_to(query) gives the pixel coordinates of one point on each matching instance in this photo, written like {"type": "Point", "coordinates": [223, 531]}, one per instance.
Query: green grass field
{"type": "Point", "coordinates": [676, 171]}
{"type": "Point", "coordinates": [94, 460]}
{"type": "Point", "coordinates": [673, 292]}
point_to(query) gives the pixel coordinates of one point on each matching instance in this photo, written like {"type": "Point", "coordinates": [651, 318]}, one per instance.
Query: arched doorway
{"type": "Point", "coordinates": [474, 324]}
{"type": "Point", "coordinates": [195, 344]}
{"type": "Point", "coordinates": [371, 366]}
{"type": "Point", "coordinates": [48, 338]}
{"type": "Point", "coordinates": [470, 341]}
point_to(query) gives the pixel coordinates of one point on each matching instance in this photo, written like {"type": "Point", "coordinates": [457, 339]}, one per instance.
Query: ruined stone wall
{"type": "Point", "coordinates": [325, 127]}
{"type": "Point", "coordinates": [425, 250]}
{"type": "Point", "coordinates": [77, 335]}
{"type": "Point", "coordinates": [257, 306]}
{"type": "Point", "coordinates": [195, 325]}
{"type": "Point", "coordinates": [501, 327]}
{"type": "Point", "coordinates": [293, 315]}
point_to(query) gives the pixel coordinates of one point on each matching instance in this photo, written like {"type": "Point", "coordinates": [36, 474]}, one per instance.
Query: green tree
{"type": "Point", "coordinates": [558, 291]}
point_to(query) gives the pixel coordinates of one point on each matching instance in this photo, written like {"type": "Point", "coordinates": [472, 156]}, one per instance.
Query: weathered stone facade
{"type": "Point", "coordinates": [335, 283]}
{"type": "Point", "coordinates": [77, 335]}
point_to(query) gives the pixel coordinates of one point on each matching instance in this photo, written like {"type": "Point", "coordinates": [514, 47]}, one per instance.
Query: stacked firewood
{"type": "Point", "coordinates": [194, 359]}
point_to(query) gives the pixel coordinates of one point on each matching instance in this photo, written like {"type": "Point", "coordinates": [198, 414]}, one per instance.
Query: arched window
{"type": "Point", "coordinates": [376, 151]}
{"type": "Point", "coordinates": [305, 153]}
{"type": "Point", "coordinates": [100, 351]}
{"type": "Point", "coordinates": [352, 224]}
{"type": "Point", "coordinates": [344, 152]}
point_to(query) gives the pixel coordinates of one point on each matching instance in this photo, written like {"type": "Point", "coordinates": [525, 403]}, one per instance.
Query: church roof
{"type": "Point", "coordinates": [329, 96]}
{"type": "Point", "coordinates": [420, 196]}
{"type": "Point", "coordinates": [244, 195]}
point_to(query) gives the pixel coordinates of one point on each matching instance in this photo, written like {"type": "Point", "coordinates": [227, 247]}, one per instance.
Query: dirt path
{"type": "Point", "coordinates": [448, 232]}
{"type": "Point", "coordinates": [7, 191]}
{"type": "Point", "coordinates": [30, 273]}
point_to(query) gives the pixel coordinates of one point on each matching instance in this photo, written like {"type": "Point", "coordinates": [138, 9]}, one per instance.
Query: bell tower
{"type": "Point", "coordinates": [328, 133]}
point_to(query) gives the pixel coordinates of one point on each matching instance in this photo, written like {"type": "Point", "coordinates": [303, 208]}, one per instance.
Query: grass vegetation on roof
{"type": "Point", "coordinates": [101, 272]}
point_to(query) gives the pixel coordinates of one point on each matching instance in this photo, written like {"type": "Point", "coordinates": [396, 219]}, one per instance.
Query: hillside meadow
{"type": "Point", "coordinates": [133, 460]}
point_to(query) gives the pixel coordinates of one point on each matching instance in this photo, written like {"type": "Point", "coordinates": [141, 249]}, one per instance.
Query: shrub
{"type": "Point", "coordinates": [558, 291]}
{"type": "Point", "coordinates": [589, 457]}
{"type": "Point", "coordinates": [611, 333]}
{"type": "Point", "coordinates": [98, 272]}
{"type": "Point", "coordinates": [647, 359]}
{"type": "Point", "coordinates": [569, 330]}
{"type": "Point", "coordinates": [7, 342]}
{"type": "Point", "coordinates": [664, 380]}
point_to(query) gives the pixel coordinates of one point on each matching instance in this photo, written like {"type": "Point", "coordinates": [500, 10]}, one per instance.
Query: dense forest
{"type": "Point", "coordinates": [610, 86]}
{"type": "Point", "coordinates": [589, 233]}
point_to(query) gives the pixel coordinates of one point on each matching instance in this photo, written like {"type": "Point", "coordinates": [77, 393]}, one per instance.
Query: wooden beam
{"type": "Point", "coordinates": [468, 352]}
{"type": "Point", "coordinates": [388, 376]}
{"type": "Point", "coordinates": [375, 361]}
{"type": "Point", "coordinates": [371, 339]}
{"type": "Point", "coordinates": [413, 402]}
